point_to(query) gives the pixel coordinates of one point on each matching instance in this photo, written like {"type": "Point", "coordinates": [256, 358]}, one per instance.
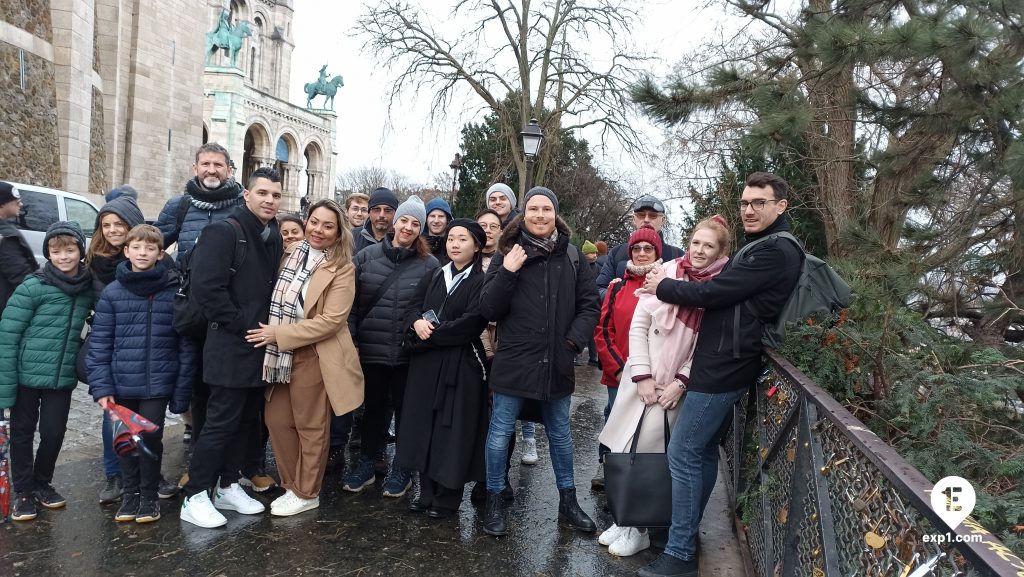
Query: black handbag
{"type": "Point", "coordinates": [638, 485]}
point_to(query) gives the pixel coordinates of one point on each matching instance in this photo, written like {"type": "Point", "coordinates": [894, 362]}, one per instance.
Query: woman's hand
{"type": "Point", "coordinates": [647, 391]}
{"type": "Point", "coordinates": [652, 281]}
{"type": "Point", "coordinates": [670, 395]}
{"type": "Point", "coordinates": [263, 336]}
{"type": "Point", "coordinates": [423, 329]}
{"type": "Point", "coordinates": [514, 260]}
{"type": "Point", "coordinates": [104, 402]}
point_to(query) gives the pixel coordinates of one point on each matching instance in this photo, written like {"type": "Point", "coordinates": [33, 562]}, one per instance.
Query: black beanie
{"type": "Point", "coordinates": [474, 228]}
{"type": "Point", "coordinates": [383, 196]}
{"type": "Point", "coordinates": [540, 190]}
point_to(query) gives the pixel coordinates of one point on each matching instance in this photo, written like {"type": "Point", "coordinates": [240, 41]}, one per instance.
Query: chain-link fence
{"type": "Point", "coordinates": [822, 496]}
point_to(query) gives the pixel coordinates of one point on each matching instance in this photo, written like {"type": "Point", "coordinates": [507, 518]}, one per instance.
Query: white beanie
{"type": "Point", "coordinates": [503, 189]}
{"type": "Point", "coordinates": [413, 207]}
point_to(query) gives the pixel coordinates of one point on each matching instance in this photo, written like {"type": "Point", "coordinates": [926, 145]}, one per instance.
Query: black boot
{"type": "Point", "coordinates": [570, 512]}
{"type": "Point", "coordinates": [494, 515]}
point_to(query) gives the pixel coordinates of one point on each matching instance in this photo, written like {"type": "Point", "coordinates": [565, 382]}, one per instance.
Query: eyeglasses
{"type": "Point", "coordinates": [492, 226]}
{"type": "Point", "coordinates": [756, 204]}
{"type": "Point", "coordinates": [359, 209]}
{"type": "Point", "coordinates": [641, 248]}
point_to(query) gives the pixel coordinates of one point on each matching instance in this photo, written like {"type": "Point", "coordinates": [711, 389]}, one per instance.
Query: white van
{"type": "Point", "coordinates": [41, 207]}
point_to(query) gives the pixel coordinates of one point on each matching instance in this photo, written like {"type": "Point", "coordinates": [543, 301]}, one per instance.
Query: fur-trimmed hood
{"type": "Point", "coordinates": [510, 236]}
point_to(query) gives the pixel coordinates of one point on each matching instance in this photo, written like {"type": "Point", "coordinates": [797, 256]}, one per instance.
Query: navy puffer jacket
{"type": "Point", "coordinates": [134, 351]}
{"type": "Point", "coordinates": [379, 329]}
{"type": "Point", "coordinates": [196, 220]}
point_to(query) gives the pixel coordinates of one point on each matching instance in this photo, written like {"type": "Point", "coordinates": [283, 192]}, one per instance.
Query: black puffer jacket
{"type": "Point", "coordinates": [728, 352]}
{"type": "Point", "coordinates": [16, 260]}
{"type": "Point", "coordinates": [379, 328]}
{"type": "Point", "coordinates": [546, 313]}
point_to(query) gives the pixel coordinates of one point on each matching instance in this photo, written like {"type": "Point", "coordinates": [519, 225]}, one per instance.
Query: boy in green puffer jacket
{"type": "Point", "coordinates": [40, 334]}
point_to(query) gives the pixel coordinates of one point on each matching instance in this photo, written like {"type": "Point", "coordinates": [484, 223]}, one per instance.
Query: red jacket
{"type": "Point", "coordinates": [612, 332]}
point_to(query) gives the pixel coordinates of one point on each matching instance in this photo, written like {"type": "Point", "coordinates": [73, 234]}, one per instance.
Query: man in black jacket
{"type": "Point", "coordinates": [546, 308]}
{"type": "Point", "coordinates": [233, 369]}
{"type": "Point", "coordinates": [383, 204]}
{"type": "Point", "coordinates": [16, 258]}
{"type": "Point", "coordinates": [727, 359]}
{"type": "Point", "coordinates": [647, 211]}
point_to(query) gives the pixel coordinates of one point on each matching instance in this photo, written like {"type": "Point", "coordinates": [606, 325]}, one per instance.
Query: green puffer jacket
{"type": "Point", "coordinates": [40, 334]}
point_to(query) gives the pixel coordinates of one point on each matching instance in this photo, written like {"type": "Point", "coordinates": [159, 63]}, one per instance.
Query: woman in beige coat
{"type": "Point", "coordinates": [311, 364]}
{"type": "Point", "coordinates": [662, 338]}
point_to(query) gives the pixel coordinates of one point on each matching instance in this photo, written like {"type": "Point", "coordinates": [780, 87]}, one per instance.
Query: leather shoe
{"type": "Point", "coordinates": [494, 515]}
{"type": "Point", "coordinates": [440, 513]}
{"type": "Point", "coordinates": [416, 506]}
{"type": "Point", "coordinates": [570, 512]}
{"type": "Point", "coordinates": [668, 566]}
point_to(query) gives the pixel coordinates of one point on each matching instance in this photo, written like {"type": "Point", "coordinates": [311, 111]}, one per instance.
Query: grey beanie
{"type": "Point", "coordinates": [503, 189]}
{"type": "Point", "coordinates": [540, 190]}
{"type": "Point", "coordinates": [125, 208]}
{"type": "Point", "coordinates": [64, 228]}
{"type": "Point", "coordinates": [413, 207]}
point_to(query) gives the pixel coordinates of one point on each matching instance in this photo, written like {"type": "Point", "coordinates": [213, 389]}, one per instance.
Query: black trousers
{"type": "Point", "coordinates": [49, 409]}
{"type": "Point", "coordinates": [141, 473]}
{"type": "Point", "coordinates": [434, 494]}
{"type": "Point", "coordinates": [231, 415]}
{"type": "Point", "coordinates": [384, 390]}
{"type": "Point", "coordinates": [256, 446]}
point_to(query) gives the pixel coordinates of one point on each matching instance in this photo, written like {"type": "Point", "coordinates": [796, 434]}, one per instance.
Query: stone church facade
{"type": "Point", "coordinates": [97, 93]}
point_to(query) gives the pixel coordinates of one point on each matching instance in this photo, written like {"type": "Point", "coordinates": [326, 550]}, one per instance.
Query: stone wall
{"type": "Point", "coordinates": [95, 41]}
{"type": "Point", "coordinates": [30, 153]}
{"type": "Point", "coordinates": [99, 183]}
{"type": "Point", "coordinates": [33, 16]}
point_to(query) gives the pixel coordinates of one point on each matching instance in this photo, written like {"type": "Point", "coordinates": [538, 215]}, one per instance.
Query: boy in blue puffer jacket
{"type": "Point", "coordinates": [137, 360]}
{"type": "Point", "coordinates": [40, 335]}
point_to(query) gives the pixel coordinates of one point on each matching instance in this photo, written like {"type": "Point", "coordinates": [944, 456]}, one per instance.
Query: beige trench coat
{"type": "Point", "coordinates": [328, 303]}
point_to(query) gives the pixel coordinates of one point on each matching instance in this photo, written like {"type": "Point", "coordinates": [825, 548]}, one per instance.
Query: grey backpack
{"type": "Point", "coordinates": [818, 290]}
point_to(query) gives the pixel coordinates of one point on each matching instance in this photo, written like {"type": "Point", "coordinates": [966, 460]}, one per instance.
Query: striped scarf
{"type": "Point", "coordinates": [286, 308]}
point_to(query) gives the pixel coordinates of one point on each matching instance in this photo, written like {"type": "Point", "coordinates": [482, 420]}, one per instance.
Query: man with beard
{"type": "Point", "coordinates": [210, 196]}
{"type": "Point", "coordinates": [383, 203]}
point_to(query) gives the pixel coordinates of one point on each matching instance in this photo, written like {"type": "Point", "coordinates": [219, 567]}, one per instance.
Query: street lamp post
{"type": "Point", "coordinates": [532, 138]}
{"type": "Point", "coordinates": [456, 165]}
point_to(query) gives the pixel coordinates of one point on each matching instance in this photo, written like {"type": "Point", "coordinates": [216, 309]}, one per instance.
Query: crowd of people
{"type": "Point", "coordinates": [354, 324]}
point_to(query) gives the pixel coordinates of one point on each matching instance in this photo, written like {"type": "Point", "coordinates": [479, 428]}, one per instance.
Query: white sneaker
{"type": "Point", "coordinates": [611, 534]}
{"type": "Point", "coordinates": [529, 452]}
{"type": "Point", "coordinates": [199, 511]}
{"type": "Point", "coordinates": [631, 542]}
{"type": "Point", "coordinates": [234, 498]}
{"type": "Point", "coordinates": [291, 504]}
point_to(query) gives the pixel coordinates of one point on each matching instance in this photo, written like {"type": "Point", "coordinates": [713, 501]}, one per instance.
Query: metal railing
{"type": "Point", "coordinates": [820, 495]}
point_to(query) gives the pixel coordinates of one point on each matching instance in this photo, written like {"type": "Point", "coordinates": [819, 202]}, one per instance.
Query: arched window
{"type": "Point", "coordinates": [281, 151]}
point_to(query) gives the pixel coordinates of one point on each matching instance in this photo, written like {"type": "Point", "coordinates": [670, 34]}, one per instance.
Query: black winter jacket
{"type": "Point", "coordinates": [546, 313]}
{"type": "Point", "coordinates": [748, 291]}
{"type": "Point", "coordinates": [615, 264]}
{"type": "Point", "coordinates": [379, 328]}
{"type": "Point", "coordinates": [16, 260]}
{"type": "Point", "coordinates": [235, 303]}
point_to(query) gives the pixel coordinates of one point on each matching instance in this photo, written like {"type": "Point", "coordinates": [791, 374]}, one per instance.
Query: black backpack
{"type": "Point", "coordinates": [189, 320]}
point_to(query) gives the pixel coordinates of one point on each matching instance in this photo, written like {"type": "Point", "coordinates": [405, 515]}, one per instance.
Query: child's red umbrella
{"type": "Point", "coordinates": [5, 470]}
{"type": "Point", "coordinates": [128, 429]}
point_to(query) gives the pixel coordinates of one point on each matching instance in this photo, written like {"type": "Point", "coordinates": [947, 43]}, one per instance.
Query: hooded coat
{"type": "Point", "coordinates": [546, 313]}
{"type": "Point", "coordinates": [134, 351]}
{"type": "Point", "coordinates": [104, 268]}
{"type": "Point", "coordinates": [16, 260]}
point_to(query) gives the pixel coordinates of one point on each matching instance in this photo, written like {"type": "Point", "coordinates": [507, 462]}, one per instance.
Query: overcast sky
{"type": "Point", "coordinates": [323, 33]}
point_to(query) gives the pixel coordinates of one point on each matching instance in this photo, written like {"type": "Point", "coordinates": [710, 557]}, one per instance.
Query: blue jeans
{"type": "Point", "coordinates": [601, 449]}
{"type": "Point", "coordinates": [529, 429]}
{"type": "Point", "coordinates": [111, 462]}
{"type": "Point", "coordinates": [693, 463]}
{"type": "Point", "coordinates": [504, 412]}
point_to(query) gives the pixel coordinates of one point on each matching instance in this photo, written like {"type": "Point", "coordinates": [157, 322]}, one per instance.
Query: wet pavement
{"type": "Point", "coordinates": [350, 534]}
